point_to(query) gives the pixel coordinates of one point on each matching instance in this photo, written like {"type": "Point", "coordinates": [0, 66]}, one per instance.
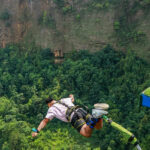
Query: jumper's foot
{"type": "Point", "coordinates": [102, 106]}
{"type": "Point", "coordinates": [98, 113]}
{"type": "Point", "coordinates": [100, 110]}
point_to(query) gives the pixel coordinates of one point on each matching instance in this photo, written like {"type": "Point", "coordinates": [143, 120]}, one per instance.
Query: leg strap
{"type": "Point", "coordinates": [77, 124]}
{"type": "Point", "coordinates": [92, 122]}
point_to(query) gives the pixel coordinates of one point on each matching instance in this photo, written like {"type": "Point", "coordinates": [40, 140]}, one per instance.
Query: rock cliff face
{"type": "Point", "coordinates": [62, 24]}
{"type": "Point", "coordinates": [77, 28]}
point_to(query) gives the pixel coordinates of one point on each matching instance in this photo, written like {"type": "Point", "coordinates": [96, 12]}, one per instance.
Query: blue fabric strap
{"type": "Point", "coordinates": [92, 122]}
{"type": "Point", "coordinates": [35, 130]}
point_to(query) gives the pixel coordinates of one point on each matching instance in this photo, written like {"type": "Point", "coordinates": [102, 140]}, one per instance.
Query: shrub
{"type": "Point", "coordinates": [5, 15]}
{"type": "Point", "coordinates": [138, 36]}
{"type": "Point", "coordinates": [98, 20]}
{"type": "Point", "coordinates": [107, 4]}
{"type": "Point", "coordinates": [47, 20]}
{"type": "Point", "coordinates": [60, 3]}
{"type": "Point", "coordinates": [78, 16]}
{"type": "Point", "coordinates": [116, 25]}
{"type": "Point", "coordinates": [67, 8]}
{"type": "Point", "coordinates": [99, 5]}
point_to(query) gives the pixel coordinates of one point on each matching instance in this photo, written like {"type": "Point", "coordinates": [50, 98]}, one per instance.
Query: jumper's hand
{"type": "Point", "coordinates": [34, 134]}
{"type": "Point", "coordinates": [72, 97]}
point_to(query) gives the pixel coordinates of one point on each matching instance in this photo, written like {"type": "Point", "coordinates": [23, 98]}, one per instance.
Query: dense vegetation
{"type": "Point", "coordinates": [28, 75]}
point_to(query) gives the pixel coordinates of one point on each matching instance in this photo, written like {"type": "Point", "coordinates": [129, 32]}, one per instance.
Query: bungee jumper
{"type": "Point", "coordinates": [66, 111]}
{"type": "Point", "coordinates": [81, 120]}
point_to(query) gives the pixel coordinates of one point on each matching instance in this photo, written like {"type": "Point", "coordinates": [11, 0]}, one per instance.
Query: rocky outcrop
{"type": "Point", "coordinates": [71, 26]}
{"type": "Point", "coordinates": [64, 24]}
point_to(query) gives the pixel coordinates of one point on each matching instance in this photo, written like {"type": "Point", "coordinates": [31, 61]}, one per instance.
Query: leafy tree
{"type": "Point", "coordinates": [28, 75]}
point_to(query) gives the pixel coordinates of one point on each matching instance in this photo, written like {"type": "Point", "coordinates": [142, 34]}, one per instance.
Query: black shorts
{"type": "Point", "coordinates": [79, 119]}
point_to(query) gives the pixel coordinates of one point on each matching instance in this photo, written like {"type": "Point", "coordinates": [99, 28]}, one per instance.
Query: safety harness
{"type": "Point", "coordinates": [79, 118]}
{"type": "Point", "coordinates": [70, 110]}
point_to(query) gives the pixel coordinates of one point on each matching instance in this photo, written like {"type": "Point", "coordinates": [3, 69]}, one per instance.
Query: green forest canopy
{"type": "Point", "coordinates": [29, 76]}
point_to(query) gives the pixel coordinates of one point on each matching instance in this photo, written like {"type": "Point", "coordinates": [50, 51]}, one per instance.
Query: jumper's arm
{"type": "Point", "coordinates": [43, 124]}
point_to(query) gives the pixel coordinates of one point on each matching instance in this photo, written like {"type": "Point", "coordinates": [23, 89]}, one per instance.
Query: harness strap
{"type": "Point", "coordinates": [63, 104]}
{"type": "Point", "coordinates": [79, 123]}
{"type": "Point", "coordinates": [70, 110]}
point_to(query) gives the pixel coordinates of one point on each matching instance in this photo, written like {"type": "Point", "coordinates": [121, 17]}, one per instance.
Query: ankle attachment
{"type": "Point", "coordinates": [91, 123]}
